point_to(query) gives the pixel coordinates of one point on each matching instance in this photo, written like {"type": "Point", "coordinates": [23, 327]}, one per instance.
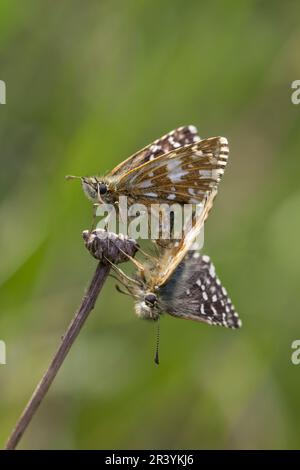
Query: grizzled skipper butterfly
{"type": "Point", "coordinates": [181, 283]}
{"type": "Point", "coordinates": [177, 168]}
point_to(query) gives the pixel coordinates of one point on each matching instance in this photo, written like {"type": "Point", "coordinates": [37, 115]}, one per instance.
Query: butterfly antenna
{"type": "Point", "coordinates": [156, 357]}
{"type": "Point", "coordinates": [72, 177]}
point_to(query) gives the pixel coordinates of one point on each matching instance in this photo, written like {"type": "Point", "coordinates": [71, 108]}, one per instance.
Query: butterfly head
{"type": "Point", "coordinates": [96, 189]}
{"type": "Point", "coordinates": [147, 306]}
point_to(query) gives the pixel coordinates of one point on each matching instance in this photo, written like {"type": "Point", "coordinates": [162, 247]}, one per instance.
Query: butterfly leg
{"type": "Point", "coordinates": [138, 265]}
{"type": "Point", "coordinates": [118, 288]}
{"type": "Point", "coordinates": [153, 259]}
{"type": "Point", "coordinates": [122, 276]}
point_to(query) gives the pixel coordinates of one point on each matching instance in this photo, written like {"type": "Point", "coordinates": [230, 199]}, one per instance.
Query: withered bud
{"type": "Point", "coordinates": [105, 245]}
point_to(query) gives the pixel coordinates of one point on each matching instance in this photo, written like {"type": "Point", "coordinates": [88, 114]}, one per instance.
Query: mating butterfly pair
{"type": "Point", "coordinates": [181, 168]}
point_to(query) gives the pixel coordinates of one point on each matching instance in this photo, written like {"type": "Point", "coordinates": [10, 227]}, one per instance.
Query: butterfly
{"type": "Point", "coordinates": [182, 283]}
{"type": "Point", "coordinates": [194, 292]}
{"type": "Point", "coordinates": [177, 168]}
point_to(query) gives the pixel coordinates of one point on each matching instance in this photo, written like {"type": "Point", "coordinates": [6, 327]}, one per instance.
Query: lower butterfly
{"type": "Point", "coordinates": [193, 292]}
{"type": "Point", "coordinates": [182, 283]}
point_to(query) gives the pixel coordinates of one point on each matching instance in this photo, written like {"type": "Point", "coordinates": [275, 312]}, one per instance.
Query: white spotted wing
{"type": "Point", "coordinates": [194, 292]}
{"type": "Point", "coordinates": [184, 175]}
{"type": "Point", "coordinates": [184, 135]}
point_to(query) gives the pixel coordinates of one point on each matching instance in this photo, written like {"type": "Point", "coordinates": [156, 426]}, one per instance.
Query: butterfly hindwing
{"type": "Point", "coordinates": [194, 292]}
{"type": "Point", "coordinates": [176, 251]}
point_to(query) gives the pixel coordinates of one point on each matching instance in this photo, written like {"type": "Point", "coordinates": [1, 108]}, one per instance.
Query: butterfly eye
{"type": "Point", "coordinates": [102, 188]}
{"type": "Point", "coordinates": [150, 299]}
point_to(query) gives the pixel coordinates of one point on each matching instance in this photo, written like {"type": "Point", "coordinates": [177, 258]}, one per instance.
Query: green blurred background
{"type": "Point", "coordinates": [89, 83]}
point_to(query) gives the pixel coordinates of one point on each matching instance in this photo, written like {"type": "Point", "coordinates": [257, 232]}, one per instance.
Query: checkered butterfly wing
{"type": "Point", "coordinates": [184, 175]}
{"type": "Point", "coordinates": [179, 137]}
{"type": "Point", "coordinates": [174, 254]}
{"type": "Point", "coordinates": [194, 292]}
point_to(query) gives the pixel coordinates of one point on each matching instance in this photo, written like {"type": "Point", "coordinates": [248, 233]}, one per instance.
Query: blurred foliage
{"type": "Point", "coordinates": [88, 83]}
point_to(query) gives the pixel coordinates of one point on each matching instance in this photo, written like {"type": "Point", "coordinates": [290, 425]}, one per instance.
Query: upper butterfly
{"type": "Point", "coordinates": [178, 167]}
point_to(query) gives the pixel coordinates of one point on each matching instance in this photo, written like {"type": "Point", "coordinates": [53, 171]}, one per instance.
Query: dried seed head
{"type": "Point", "coordinates": [105, 245]}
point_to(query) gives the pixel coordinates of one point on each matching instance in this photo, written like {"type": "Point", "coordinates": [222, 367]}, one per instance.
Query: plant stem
{"type": "Point", "coordinates": [87, 305]}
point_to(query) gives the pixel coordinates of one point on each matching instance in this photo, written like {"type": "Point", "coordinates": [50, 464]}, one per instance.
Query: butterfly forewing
{"type": "Point", "coordinates": [194, 292]}
{"type": "Point", "coordinates": [179, 137]}
{"type": "Point", "coordinates": [184, 175]}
